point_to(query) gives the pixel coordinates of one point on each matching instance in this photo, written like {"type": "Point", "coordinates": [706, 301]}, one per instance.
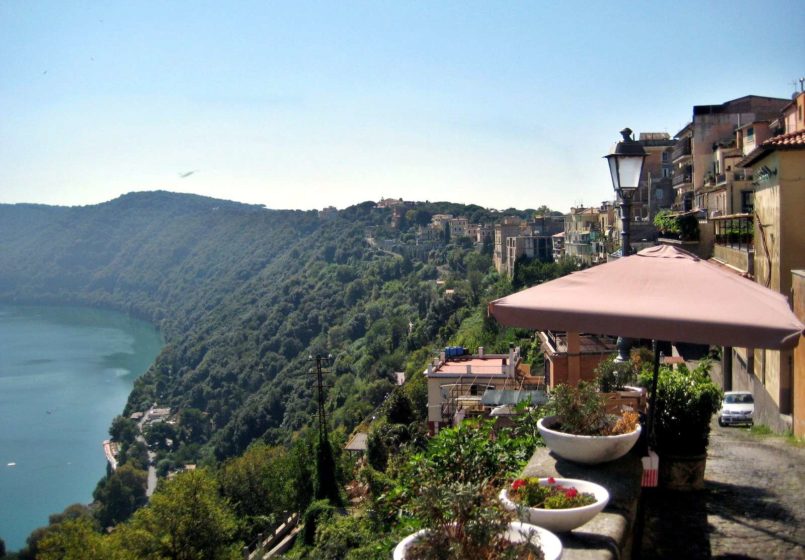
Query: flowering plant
{"type": "Point", "coordinates": [529, 492]}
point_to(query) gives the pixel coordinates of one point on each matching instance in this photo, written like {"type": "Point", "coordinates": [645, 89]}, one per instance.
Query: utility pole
{"type": "Point", "coordinates": [322, 363]}
{"type": "Point", "coordinates": [325, 485]}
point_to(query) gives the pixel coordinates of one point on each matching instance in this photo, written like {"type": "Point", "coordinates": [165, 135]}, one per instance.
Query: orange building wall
{"type": "Point", "coordinates": [559, 367]}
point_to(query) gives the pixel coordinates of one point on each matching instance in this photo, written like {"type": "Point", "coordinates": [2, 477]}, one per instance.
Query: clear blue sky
{"type": "Point", "coordinates": [309, 104]}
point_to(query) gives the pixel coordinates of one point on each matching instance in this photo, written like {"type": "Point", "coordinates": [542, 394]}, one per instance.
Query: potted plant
{"type": "Point", "coordinates": [557, 504]}
{"type": "Point", "coordinates": [685, 403]}
{"type": "Point", "coordinates": [466, 521]}
{"type": "Point", "coordinates": [579, 429]}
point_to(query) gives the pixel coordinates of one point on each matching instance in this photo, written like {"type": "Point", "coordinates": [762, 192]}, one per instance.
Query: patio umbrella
{"type": "Point", "coordinates": [662, 293]}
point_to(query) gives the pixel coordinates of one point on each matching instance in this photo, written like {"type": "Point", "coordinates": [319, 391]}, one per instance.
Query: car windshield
{"type": "Point", "coordinates": [738, 399]}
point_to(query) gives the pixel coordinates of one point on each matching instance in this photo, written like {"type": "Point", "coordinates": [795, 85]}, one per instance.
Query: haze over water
{"type": "Point", "coordinates": [65, 373]}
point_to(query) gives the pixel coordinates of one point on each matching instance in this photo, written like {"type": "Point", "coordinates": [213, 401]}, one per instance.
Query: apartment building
{"type": "Point", "coordinates": [774, 250]}
{"type": "Point", "coordinates": [711, 125]}
{"type": "Point", "coordinates": [509, 227]}
{"type": "Point", "coordinates": [655, 191]}
{"type": "Point", "coordinates": [582, 230]}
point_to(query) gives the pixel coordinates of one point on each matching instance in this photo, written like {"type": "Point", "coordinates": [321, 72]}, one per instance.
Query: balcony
{"type": "Point", "coordinates": [735, 231]}
{"type": "Point", "coordinates": [681, 149]}
{"type": "Point", "coordinates": [682, 177]}
{"type": "Point", "coordinates": [734, 244]}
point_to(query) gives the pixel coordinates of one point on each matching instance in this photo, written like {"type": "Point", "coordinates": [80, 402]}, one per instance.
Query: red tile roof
{"type": "Point", "coordinates": [790, 141]}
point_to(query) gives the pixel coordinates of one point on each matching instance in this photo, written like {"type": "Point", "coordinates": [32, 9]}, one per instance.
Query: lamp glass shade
{"type": "Point", "coordinates": [625, 171]}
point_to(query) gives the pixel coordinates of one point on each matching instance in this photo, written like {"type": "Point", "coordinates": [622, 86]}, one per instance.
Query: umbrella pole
{"type": "Point", "coordinates": [653, 402]}
{"type": "Point", "coordinates": [651, 462]}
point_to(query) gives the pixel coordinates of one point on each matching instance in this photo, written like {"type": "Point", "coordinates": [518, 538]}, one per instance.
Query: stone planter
{"type": "Point", "coordinates": [561, 520]}
{"type": "Point", "coordinates": [589, 450]}
{"type": "Point", "coordinates": [682, 473]}
{"type": "Point", "coordinates": [518, 532]}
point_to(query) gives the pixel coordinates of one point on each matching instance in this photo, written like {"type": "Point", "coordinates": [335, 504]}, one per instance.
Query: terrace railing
{"type": "Point", "coordinates": [735, 231]}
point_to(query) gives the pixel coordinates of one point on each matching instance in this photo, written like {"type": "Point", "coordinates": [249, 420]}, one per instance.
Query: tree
{"type": "Point", "coordinates": [76, 539]}
{"type": "Point", "coordinates": [193, 425]}
{"type": "Point", "coordinates": [185, 520]}
{"type": "Point", "coordinates": [259, 485]}
{"type": "Point", "coordinates": [123, 429]}
{"type": "Point", "coordinates": [326, 485]}
{"type": "Point", "coordinates": [71, 513]}
{"type": "Point", "coordinates": [120, 494]}
{"type": "Point", "coordinates": [158, 435]}
{"type": "Point", "coordinates": [399, 409]}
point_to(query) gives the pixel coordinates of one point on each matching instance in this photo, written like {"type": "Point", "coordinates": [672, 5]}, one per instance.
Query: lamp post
{"type": "Point", "coordinates": [625, 167]}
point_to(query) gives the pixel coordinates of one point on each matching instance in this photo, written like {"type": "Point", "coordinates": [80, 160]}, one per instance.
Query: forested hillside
{"type": "Point", "coordinates": [243, 295]}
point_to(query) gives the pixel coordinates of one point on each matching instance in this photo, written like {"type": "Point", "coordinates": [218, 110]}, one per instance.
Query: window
{"type": "Point", "coordinates": [666, 155]}
{"type": "Point", "coordinates": [747, 202]}
{"type": "Point", "coordinates": [750, 132]}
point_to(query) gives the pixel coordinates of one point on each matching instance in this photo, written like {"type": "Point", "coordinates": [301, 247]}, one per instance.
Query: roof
{"type": "Point", "coordinates": [743, 104]}
{"type": "Point", "coordinates": [358, 442]}
{"type": "Point", "coordinates": [487, 365]}
{"type": "Point", "coordinates": [790, 141]}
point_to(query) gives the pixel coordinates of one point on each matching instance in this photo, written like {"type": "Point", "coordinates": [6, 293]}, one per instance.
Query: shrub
{"type": "Point", "coordinates": [314, 515]}
{"type": "Point", "coordinates": [580, 411]}
{"type": "Point", "coordinates": [682, 226]}
{"type": "Point", "coordinates": [614, 376]}
{"type": "Point", "coordinates": [686, 402]}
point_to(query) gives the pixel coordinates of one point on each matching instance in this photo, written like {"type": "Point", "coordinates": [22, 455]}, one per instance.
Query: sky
{"type": "Point", "coordinates": [304, 105]}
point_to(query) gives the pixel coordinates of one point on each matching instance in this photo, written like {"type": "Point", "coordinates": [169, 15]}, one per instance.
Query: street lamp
{"type": "Point", "coordinates": [626, 166]}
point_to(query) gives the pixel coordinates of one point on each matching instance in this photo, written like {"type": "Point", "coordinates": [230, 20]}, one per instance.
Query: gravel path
{"type": "Point", "coordinates": [753, 505]}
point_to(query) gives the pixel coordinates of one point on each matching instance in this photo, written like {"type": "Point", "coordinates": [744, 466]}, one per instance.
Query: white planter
{"type": "Point", "coordinates": [518, 532]}
{"type": "Point", "coordinates": [561, 520]}
{"type": "Point", "coordinates": [589, 450]}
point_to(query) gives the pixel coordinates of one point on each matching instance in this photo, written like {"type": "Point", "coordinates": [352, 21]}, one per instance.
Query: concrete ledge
{"type": "Point", "coordinates": [608, 536]}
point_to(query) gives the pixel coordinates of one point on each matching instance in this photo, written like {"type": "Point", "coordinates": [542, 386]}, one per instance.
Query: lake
{"type": "Point", "coordinates": [65, 373]}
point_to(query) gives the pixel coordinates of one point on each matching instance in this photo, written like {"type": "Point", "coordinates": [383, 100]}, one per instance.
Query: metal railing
{"type": "Point", "coordinates": [681, 149]}
{"type": "Point", "coordinates": [735, 231]}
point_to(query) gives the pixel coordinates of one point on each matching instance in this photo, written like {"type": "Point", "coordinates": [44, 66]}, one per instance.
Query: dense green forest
{"type": "Point", "coordinates": [244, 296]}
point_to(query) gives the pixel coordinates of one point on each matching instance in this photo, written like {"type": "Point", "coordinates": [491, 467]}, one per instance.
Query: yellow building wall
{"type": "Point", "coordinates": [779, 249]}
{"type": "Point", "coordinates": [791, 176]}
{"type": "Point", "coordinates": [798, 295]}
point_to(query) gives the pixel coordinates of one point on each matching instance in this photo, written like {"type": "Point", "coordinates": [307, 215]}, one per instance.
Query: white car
{"type": "Point", "coordinates": [738, 407]}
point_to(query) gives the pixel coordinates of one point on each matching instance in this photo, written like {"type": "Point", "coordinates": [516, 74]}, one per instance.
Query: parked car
{"type": "Point", "coordinates": [738, 407]}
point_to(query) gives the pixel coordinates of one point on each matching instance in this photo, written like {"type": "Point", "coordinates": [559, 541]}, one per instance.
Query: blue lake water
{"type": "Point", "coordinates": [65, 373]}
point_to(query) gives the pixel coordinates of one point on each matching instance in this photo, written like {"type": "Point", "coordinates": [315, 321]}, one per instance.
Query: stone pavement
{"type": "Point", "coordinates": [752, 507]}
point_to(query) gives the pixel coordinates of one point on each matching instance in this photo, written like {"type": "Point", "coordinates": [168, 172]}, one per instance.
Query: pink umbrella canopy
{"type": "Point", "coordinates": [662, 293]}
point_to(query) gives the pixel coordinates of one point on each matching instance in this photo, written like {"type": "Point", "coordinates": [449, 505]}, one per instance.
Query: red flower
{"type": "Point", "coordinates": [551, 480]}
{"type": "Point", "coordinates": [571, 493]}
{"type": "Point", "coordinates": [517, 484]}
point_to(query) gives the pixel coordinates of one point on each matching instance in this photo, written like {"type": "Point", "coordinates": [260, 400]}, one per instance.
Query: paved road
{"type": "Point", "coordinates": [753, 505]}
{"type": "Point", "coordinates": [152, 471]}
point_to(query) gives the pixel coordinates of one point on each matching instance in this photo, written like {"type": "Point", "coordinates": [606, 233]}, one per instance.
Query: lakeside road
{"type": "Point", "coordinates": [753, 504]}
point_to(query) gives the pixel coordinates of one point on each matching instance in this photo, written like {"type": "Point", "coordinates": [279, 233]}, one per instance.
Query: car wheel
{"type": "Point", "coordinates": [721, 422]}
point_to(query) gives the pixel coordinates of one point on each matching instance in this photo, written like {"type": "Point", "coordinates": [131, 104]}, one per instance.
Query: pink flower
{"type": "Point", "coordinates": [551, 480]}
{"type": "Point", "coordinates": [517, 484]}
